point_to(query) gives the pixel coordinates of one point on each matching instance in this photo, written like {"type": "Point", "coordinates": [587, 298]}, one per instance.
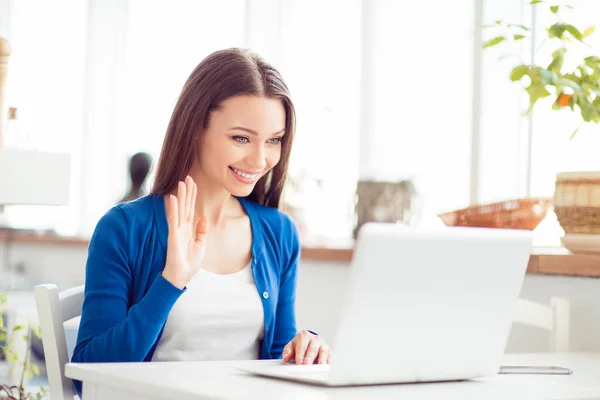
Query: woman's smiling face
{"type": "Point", "coordinates": [241, 143]}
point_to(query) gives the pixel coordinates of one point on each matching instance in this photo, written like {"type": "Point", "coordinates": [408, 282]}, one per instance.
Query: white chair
{"type": "Point", "coordinates": [54, 309]}
{"type": "Point", "coordinates": [553, 318]}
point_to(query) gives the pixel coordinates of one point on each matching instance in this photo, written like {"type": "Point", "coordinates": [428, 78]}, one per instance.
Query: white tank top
{"type": "Point", "coordinates": [218, 317]}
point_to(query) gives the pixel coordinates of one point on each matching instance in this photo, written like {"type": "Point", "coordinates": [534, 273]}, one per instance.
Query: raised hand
{"type": "Point", "coordinates": [186, 246]}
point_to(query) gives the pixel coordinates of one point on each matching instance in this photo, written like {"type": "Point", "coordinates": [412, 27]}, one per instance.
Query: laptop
{"type": "Point", "coordinates": [421, 305]}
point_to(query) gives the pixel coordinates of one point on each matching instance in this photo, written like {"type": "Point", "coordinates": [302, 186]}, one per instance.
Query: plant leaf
{"type": "Point", "coordinates": [518, 72]}
{"type": "Point", "coordinates": [536, 2]}
{"type": "Point", "coordinates": [494, 41]}
{"type": "Point", "coordinates": [588, 111]}
{"type": "Point", "coordinates": [565, 81]}
{"type": "Point", "coordinates": [18, 328]}
{"type": "Point", "coordinates": [574, 133]}
{"type": "Point", "coordinates": [518, 37]}
{"type": "Point", "coordinates": [558, 59]}
{"type": "Point", "coordinates": [536, 91]}
{"type": "Point", "coordinates": [588, 31]}
{"type": "Point", "coordinates": [557, 30]}
{"type": "Point", "coordinates": [525, 28]}
{"type": "Point", "coordinates": [574, 32]}
{"type": "Point", "coordinates": [554, 9]}
{"type": "Point", "coordinates": [592, 61]}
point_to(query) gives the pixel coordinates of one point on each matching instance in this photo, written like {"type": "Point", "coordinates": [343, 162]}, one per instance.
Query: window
{"type": "Point", "coordinates": [46, 83]}
{"type": "Point", "coordinates": [383, 90]}
{"type": "Point", "coordinates": [419, 85]}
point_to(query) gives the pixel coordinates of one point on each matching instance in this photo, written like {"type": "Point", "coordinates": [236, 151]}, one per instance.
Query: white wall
{"type": "Point", "coordinates": [321, 287]}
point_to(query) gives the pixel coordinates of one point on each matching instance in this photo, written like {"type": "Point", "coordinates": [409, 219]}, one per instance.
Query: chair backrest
{"type": "Point", "coordinates": [54, 309]}
{"type": "Point", "coordinates": [553, 318]}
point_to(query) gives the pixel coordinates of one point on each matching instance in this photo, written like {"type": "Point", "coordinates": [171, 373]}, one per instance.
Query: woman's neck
{"type": "Point", "coordinates": [215, 202]}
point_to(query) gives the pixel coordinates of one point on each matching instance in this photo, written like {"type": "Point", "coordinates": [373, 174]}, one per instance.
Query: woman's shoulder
{"type": "Point", "coordinates": [129, 215]}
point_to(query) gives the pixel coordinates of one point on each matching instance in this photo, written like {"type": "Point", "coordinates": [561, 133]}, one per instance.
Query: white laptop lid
{"type": "Point", "coordinates": [428, 304]}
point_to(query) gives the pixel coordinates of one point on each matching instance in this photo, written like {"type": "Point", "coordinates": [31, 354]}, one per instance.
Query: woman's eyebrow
{"type": "Point", "coordinates": [252, 132]}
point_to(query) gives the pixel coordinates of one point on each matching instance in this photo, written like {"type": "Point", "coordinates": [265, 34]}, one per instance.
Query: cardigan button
{"type": "Point", "coordinates": [265, 295]}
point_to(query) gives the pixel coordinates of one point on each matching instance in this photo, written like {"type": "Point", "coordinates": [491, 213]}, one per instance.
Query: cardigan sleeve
{"type": "Point", "coordinates": [285, 316]}
{"type": "Point", "coordinates": [112, 330]}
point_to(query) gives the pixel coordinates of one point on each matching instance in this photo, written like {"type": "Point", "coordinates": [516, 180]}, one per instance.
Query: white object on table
{"type": "Point", "coordinates": [222, 380]}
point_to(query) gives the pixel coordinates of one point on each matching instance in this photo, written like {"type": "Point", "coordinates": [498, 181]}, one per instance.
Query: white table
{"type": "Point", "coordinates": [221, 380]}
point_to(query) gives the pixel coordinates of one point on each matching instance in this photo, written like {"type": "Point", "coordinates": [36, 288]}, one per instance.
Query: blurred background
{"type": "Point", "coordinates": [384, 90]}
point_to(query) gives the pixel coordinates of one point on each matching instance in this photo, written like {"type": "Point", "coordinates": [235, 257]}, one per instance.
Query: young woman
{"type": "Point", "coordinates": [204, 268]}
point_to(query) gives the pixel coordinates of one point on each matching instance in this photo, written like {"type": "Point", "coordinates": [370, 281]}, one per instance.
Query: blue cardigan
{"type": "Point", "coordinates": [127, 301]}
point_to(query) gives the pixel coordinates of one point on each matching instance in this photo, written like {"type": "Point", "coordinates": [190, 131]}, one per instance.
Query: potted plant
{"type": "Point", "coordinates": [573, 86]}
{"type": "Point", "coordinates": [27, 367]}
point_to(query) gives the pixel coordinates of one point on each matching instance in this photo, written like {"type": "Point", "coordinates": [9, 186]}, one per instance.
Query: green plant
{"type": "Point", "coordinates": [574, 87]}
{"type": "Point", "coordinates": [28, 368]}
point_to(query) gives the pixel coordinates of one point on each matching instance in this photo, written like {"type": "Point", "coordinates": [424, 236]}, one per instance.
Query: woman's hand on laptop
{"type": "Point", "coordinates": [307, 348]}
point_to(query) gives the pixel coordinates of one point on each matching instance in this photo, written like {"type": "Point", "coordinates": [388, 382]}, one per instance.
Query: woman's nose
{"type": "Point", "coordinates": [257, 159]}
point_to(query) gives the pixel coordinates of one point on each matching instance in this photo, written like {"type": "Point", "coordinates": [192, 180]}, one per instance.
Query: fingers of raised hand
{"type": "Point", "coordinates": [192, 200]}
{"type": "Point", "coordinates": [181, 203]}
{"type": "Point", "coordinates": [173, 214]}
{"type": "Point", "coordinates": [201, 230]}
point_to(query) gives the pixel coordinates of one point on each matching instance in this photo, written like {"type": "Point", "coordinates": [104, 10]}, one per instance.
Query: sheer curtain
{"type": "Point", "coordinates": [383, 89]}
{"type": "Point", "coordinates": [99, 79]}
{"type": "Point", "coordinates": [46, 82]}
{"type": "Point", "coordinates": [504, 147]}
{"type": "Point", "coordinates": [136, 71]}
{"type": "Point", "coordinates": [418, 81]}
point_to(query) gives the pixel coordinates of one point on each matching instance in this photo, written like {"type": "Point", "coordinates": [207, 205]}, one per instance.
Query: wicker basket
{"type": "Point", "coordinates": [525, 213]}
{"type": "Point", "coordinates": [577, 201]}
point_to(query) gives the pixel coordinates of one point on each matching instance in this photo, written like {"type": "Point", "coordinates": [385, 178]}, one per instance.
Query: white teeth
{"type": "Point", "coordinates": [247, 176]}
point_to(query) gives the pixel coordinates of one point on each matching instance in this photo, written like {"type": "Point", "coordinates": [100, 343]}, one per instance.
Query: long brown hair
{"type": "Point", "coordinates": [221, 75]}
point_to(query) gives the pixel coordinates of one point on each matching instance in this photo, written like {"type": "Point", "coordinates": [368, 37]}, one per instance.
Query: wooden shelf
{"type": "Point", "coordinates": [543, 260]}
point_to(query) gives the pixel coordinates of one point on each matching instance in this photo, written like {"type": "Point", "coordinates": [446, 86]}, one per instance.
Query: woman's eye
{"type": "Point", "coordinates": [241, 139]}
{"type": "Point", "coordinates": [275, 140]}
